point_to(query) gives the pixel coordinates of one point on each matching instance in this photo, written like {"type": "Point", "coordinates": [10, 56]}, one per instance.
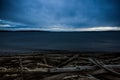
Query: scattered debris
{"type": "Point", "coordinates": [59, 66]}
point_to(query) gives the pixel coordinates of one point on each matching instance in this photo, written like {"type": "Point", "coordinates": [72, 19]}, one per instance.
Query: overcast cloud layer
{"type": "Point", "coordinates": [65, 14]}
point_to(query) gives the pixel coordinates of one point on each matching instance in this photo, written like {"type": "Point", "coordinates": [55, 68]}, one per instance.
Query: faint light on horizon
{"type": "Point", "coordinates": [5, 25]}
{"type": "Point", "coordinates": [100, 29]}
{"type": "Point", "coordinates": [67, 29]}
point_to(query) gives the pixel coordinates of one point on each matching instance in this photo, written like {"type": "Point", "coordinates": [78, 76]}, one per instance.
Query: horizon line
{"type": "Point", "coordinates": [64, 29]}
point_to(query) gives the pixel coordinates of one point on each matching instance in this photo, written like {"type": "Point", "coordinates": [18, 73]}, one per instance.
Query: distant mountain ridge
{"type": "Point", "coordinates": [52, 31]}
{"type": "Point", "coordinates": [23, 31]}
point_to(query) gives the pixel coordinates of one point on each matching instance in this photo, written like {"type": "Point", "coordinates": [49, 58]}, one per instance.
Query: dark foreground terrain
{"type": "Point", "coordinates": [58, 65]}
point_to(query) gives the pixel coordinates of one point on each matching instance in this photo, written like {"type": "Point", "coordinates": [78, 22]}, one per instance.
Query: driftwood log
{"type": "Point", "coordinates": [60, 66]}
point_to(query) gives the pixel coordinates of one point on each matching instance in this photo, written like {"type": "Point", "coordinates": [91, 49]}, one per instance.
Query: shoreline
{"type": "Point", "coordinates": [41, 51]}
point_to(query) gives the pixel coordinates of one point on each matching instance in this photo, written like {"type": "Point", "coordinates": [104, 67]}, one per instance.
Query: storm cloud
{"type": "Point", "coordinates": [71, 13]}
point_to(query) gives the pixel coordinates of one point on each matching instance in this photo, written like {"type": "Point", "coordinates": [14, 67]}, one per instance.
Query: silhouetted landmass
{"type": "Point", "coordinates": [51, 31]}
{"type": "Point", "coordinates": [23, 31]}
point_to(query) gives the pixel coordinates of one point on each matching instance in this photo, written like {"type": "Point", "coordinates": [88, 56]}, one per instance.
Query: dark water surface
{"type": "Point", "coordinates": [75, 41]}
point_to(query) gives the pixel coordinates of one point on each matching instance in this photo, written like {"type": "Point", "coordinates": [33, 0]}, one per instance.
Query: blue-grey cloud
{"type": "Point", "coordinates": [75, 13]}
{"type": "Point", "coordinates": [4, 23]}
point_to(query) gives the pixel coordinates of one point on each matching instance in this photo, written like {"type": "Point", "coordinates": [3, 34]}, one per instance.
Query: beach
{"type": "Point", "coordinates": [60, 65]}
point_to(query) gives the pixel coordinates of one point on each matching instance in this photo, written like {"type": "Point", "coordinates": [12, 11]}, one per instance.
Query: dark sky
{"type": "Point", "coordinates": [62, 13]}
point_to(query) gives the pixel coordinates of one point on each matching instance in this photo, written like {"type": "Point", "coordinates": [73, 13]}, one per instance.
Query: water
{"type": "Point", "coordinates": [73, 41]}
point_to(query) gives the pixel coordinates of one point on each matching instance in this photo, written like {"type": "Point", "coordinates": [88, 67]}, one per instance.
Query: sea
{"type": "Point", "coordinates": [106, 41]}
